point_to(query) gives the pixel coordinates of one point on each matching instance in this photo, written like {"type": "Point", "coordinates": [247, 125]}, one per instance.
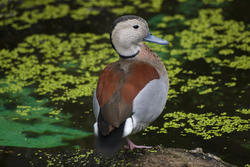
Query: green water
{"type": "Point", "coordinates": [51, 53]}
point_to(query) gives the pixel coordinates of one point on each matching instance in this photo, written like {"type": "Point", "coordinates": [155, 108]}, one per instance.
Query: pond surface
{"type": "Point", "coordinates": [51, 53]}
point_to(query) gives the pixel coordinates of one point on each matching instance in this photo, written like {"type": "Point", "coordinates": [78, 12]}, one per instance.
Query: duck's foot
{"type": "Point", "coordinates": [132, 146]}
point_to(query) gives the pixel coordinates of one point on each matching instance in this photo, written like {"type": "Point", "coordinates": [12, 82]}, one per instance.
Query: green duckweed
{"type": "Point", "coordinates": [205, 33]}
{"type": "Point", "coordinates": [215, 1]}
{"type": "Point", "coordinates": [199, 83]}
{"type": "Point", "coordinates": [37, 11]}
{"type": "Point", "coordinates": [240, 62]}
{"type": "Point", "coordinates": [230, 84]}
{"type": "Point", "coordinates": [243, 111]}
{"type": "Point", "coordinates": [51, 62]}
{"type": "Point", "coordinates": [208, 125]}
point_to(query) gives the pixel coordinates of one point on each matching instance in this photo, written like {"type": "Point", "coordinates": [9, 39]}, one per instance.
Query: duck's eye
{"type": "Point", "coordinates": [135, 26]}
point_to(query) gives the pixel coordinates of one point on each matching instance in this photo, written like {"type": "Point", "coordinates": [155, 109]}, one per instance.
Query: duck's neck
{"type": "Point", "coordinates": [131, 56]}
{"type": "Point", "coordinates": [128, 52]}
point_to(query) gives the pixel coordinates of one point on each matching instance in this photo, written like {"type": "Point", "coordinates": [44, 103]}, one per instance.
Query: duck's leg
{"type": "Point", "coordinates": [132, 146]}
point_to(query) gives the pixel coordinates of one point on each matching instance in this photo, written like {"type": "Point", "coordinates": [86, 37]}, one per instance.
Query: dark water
{"type": "Point", "coordinates": [72, 127]}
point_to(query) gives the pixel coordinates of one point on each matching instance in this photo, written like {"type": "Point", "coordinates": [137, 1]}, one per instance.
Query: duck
{"type": "Point", "coordinates": [131, 92]}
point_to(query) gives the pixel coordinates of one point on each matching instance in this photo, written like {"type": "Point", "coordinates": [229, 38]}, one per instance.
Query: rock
{"type": "Point", "coordinates": [176, 157]}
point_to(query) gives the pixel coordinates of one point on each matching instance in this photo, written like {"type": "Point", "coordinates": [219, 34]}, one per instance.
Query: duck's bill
{"type": "Point", "coordinates": [154, 39]}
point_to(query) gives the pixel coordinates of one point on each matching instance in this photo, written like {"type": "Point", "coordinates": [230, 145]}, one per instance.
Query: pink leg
{"type": "Point", "coordinates": [131, 145]}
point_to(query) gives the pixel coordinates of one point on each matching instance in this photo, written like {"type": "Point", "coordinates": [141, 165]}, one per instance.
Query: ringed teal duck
{"type": "Point", "coordinates": [132, 92]}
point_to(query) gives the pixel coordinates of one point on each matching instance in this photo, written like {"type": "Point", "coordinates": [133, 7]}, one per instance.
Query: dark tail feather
{"type": "Point", "coordinates": [108, 145]}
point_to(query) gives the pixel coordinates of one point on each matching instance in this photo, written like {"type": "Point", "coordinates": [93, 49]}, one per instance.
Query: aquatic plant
{"type": "Point", "coordinates": [216, 43]}
{"type": "Point", "coordinates": [27, 13]}
{"type": "Point", "coordinates": [26, 122]}
{"type": "Point", "coordinates": [50, 62]}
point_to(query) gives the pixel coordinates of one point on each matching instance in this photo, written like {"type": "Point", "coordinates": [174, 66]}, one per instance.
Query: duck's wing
{"type": "Point", "coordinates": [118, 85]}
{"type": "Point", "coordinates": [149, 103]}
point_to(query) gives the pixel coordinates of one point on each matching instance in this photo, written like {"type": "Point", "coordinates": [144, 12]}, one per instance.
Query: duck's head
{"type": "Point", "coordinates": [127, 32]}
